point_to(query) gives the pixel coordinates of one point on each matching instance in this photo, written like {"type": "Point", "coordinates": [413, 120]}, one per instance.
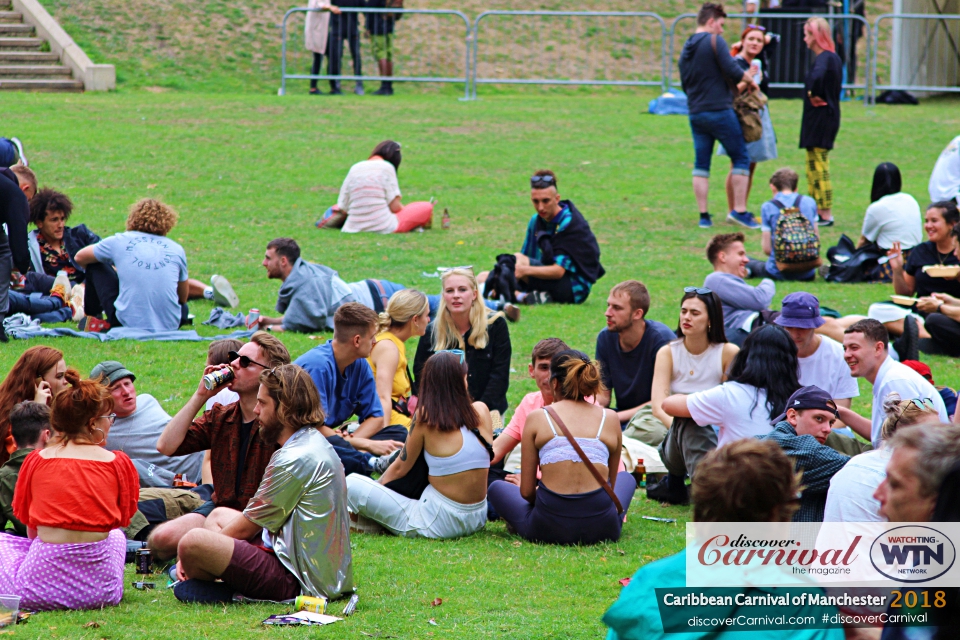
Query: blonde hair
{"type": "Point", "coordinates": [902, 413]}
{"type": "Point", "coordinates": [26, 174]}
{"type": "Point", "coordinates": [445, 334]}
{"type": "Point", "coordinates": [404, 306]}
{"type": "Point", "coordinates": [151, 216]}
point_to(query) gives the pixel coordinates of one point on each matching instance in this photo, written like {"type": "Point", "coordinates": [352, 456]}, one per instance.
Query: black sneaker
{"type": "Point", "coordinates": [384, 90]}
{"type": "Point", "coordinates": [670, 490]}
{"type": "Point", "coordinates": [907, 346]}
{"type": "Point", "coordinates": [537, 297]}
{"type": "Point", "coordinates": [316, 92]}
{"type": "Point", "coordinates": [823, 222]}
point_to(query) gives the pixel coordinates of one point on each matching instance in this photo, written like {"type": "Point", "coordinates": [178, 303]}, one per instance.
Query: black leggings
{"type": "Point", "coordinates": [315, 69]}
{"type": "Point", "coordinates": [580, 518]}
{"type": "Point", "coordinates": [343, 27]}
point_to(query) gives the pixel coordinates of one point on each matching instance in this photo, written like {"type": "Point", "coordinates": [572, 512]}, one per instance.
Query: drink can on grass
{"type": "Point", "coordinates": [309, 603]}
{"type": "Point", "coordinates": [215, 379]}
{"type": "Point", "coordinates": [144, 561]}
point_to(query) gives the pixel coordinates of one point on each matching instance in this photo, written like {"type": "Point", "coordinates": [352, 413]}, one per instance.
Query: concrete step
{"type": "Point", "coordinates": [52, 85]}
{"type": "Point", "coordinates": [28, 57]}
{"type": "Point", "coordinates": [34, 71]}
{"type": "Point", "coordinates": [20, 43]}
{"type": "Point", "coordinates": [10, 17]}
{"type": "Point", "coordinates": [6, 5]}
{"type": "Point", "coordinates": [16, 30]}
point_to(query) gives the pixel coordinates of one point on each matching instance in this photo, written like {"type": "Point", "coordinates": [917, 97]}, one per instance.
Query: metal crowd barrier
{"type": "Point", "coordinates": [619, 48]}
{"type": "Point", "coordinates": [587, 49]}
{"type": "Point", "coordinates": [414, 65]}
{"type": "Point", "coordinates": [936, 69]}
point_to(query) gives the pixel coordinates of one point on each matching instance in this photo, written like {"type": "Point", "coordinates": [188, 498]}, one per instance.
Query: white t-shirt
{"type": "Point", "coordinates": [827, 369]}
{"type": "Point", "coordinates": [945, 179]}
{"type": "Point", "coordinates": [738, 410]}
{"type": "Point", "coordinates": [894, 377]}
{"type": "Point", "coordinates": [149, 268]}
{"type": "Point", "coordinates": [894, 218]}
{"type": "Point", "coordinates": [850, 498]}
{"type": "Point", "coordinates": [224, 397]}
{"type": "Point", "coordinates": [365, 197]}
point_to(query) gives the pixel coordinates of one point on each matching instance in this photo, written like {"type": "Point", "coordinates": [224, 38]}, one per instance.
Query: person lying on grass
{"type": "Point", "coordinates": [293, 537]}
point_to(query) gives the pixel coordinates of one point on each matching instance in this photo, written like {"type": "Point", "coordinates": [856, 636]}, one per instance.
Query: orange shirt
{"type": "Point", "coordinates": [80, 495]}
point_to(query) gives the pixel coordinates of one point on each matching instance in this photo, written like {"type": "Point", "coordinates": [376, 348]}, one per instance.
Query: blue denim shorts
{"type": "Point", "coordinates": [711, 126]}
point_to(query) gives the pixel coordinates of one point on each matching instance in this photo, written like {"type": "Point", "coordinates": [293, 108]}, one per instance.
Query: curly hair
{"type": "Point", "coordinates": [76, 408]}
{"type": "Point", "coordinates": [151, 216]}
{"type": "Point", "coordinates": [47, 200]}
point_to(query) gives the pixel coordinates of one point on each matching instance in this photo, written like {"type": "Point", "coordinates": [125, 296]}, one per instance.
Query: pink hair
{"type": "Point", "coordinates": [821, 34]}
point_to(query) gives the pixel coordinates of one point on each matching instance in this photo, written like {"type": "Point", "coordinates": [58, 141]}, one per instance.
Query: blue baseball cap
{"type": "Point", "coordinates": [8, 153]}
{"type": "Point", "coordinates": [800, 310]}
{"type": "Point", "coordinates": [812, 397]}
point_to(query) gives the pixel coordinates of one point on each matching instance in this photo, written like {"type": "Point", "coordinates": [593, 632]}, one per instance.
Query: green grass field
{"type": "Point", "coordinates": [242, 169]}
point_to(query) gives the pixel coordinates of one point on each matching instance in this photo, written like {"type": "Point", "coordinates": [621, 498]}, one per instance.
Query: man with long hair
{"type": "Point", "coordinates": [298, 518]}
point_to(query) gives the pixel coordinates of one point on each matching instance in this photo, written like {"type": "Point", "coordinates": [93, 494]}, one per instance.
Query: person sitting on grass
{"type": "Point", "coordinates": [453, 435]}
{"type": "Point", "coordinates": [801, 432]}
{"type": "Point", "coordinates": [346, 385]}
{"type": "Point", "coordinates": [579, 499]}
{"type": "Point", "coordinates": [30, 425]}
{"type": "Point", "coordinates": [73, 496]}
{"type": "Point", "coordinates": [745, 307]}
{"type": "Point", "coordinates": [140, 421]}
{"type": "Point", "coordinates": [948, 395]}
{"type": "Point", "coordinates": [311, 293]}
{"type": "Point", "coordinates": [627, 351]}
{"type": "Point", "coordinates": [294, 535]}
{"type": "Point", "coordinates": [462, 322]}
{"type": "Point", "coordinates": [149, 288]}
{"type": "Point", "coordinates": [39, 374]}
{"type": "Point", "coordinates": [230, 432]}
{"type": "Point", "coordinates": [893, 219]}
{"type": "Point", "coordinates": [850, 497]}
{"type": "Point", "coordinates": [744, 481]}
{"type": "Point", "coordinates": [783, 185]}
{"type": "Point", "coordinates": [865, 348]}
{"type": "Point", "coordinates": [696, 361]}
{"type": "Point", "coordinates": [407, 315]}
{"type": "Point", "coordinates": [945, 177]}
{"type": "Point", "coordinates": [370, 196]}
{"type": "Point", "coordinates": [560, 258]}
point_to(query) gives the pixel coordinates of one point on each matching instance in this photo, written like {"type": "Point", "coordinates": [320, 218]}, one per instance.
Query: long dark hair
{"type": "Point", "coordinates": [444, 402]}
{"type": "Point", "coordinates": [886, 181]}
{"type": "Point", "coordinates": [389, 151]}
{"type": "Point", "coordinates": [715, 331]}
{"type": "Point", "coordinates": [768, 361]}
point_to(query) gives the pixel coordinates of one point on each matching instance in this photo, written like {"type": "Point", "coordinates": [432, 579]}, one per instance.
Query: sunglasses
{"type": "Point", "coordinates": [703, 291]}
{"type": "Point", "coordinates": [445, 270]}
{"type": "Point", "coordinates": [542, 182]}
{"type": "Point", "coordinates": [456, 352]}
{"type": "Point", "coordinates": [756, 27]}
{"type": "Point", "coordinates": [244, 360]}
{"type": "Point", "coordinates": [924, 404]}
{"type": "Point", "coordinates": [111, 418]}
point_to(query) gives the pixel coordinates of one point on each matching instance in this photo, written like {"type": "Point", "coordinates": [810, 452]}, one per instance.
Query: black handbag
{"type": "Point", "coordinates": [849, 263]}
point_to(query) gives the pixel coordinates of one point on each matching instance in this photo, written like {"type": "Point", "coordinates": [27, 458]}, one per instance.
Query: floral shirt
{"type": "Point", "coordinates": [55, 260]}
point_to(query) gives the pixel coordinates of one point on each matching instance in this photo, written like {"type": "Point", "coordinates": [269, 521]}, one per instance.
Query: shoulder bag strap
{"type": "Point", "coordinates": [593, 470]}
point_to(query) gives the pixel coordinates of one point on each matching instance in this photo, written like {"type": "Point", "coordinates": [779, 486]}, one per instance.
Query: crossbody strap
{"type": "Point", "coordinates": [593, 470]}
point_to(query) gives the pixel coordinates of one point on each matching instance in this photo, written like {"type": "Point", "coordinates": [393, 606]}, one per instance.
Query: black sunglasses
{"type": "Point", "coordinates": [542, 182]}
{"type": "Point", "coordinates": [703, 291]}
{"type": "Point", "coordinates": [244, 360]}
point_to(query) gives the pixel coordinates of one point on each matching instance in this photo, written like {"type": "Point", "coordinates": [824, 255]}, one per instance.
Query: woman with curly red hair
{"type": "Point", "coordinates": [38, 375]}
{"type": "Point", "coordinates": [73, 496]}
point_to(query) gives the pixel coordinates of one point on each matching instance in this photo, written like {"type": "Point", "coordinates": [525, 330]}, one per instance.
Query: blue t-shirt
{"type": "Point", "coordinates": [579, 284]}
{"type": "Point", "coordinates": [149, 268]}
{"type": "Point", "coordinates": [629, 374]}
{"type": "Point", "coordinates": [341, 396]}
{"type": "Point", "coordinates": [770, 213]}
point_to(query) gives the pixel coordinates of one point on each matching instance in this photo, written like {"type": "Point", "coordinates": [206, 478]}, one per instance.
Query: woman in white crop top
{"type": "Point", "coordinates": [454, 436]}
{"type": "Point", "coordinates": [696, 361]}
{"type": "Point", "coordinates": [568, 505]}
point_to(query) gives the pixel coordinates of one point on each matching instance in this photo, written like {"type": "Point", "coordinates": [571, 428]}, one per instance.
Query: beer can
{"type": "Point", "coordinates": [309, 603]}
{"type": "Point", "coordinates": [144, 561]}
{"type": "Point", "coordinates": [252, 317]}
{"type": "Point", "coordinates": [217, 378]}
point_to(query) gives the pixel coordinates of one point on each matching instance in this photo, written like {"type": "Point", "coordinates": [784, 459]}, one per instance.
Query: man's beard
{"type": "Point", "coordinates": [270, 433]}
{"type": "Point", "coordinates": [618, 328]}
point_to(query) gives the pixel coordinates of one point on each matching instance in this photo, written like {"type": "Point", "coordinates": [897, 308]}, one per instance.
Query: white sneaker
{"type": "Point", "coordinates": [223, 293]}
{"type": "Point", "coordinates": [64, 282]}
{"type": "Point", "coordinates": [76, 302]}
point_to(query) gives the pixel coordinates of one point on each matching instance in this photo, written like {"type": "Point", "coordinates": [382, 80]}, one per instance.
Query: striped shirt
{"type": "Point", "coordinates": [365, 197]}
{"type": "Point", "coordinates": [581, 286]}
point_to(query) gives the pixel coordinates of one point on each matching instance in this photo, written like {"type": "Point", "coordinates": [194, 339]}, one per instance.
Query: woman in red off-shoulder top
{"type": "Point", "coordinates": [74, 496]}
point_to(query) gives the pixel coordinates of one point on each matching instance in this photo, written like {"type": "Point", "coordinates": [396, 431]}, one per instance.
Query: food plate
{"type": "Point", "coordinates": [903, 301]}
{"type": "Point", "coordinates": [941, 271]}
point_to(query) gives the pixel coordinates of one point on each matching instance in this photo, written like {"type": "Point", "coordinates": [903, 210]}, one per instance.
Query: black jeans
{"type": "Point", "coordinates": [315, 69]}
{"type": "Point", "coordinates": [944, 334]}
{"type": "Point", "coordinates": [342, 27]}
{"type": "Point", "coordinates": [560, 290]}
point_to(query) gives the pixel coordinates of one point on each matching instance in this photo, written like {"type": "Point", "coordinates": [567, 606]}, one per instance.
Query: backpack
{"type": "Point", "coordinates": [797, 246]}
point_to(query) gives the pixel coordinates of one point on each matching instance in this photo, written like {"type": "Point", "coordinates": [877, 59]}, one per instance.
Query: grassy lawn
{"type": "Point", "coordinates": [242, 169]}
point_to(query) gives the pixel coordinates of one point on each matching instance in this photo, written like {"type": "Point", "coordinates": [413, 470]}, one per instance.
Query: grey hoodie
{"type": "Point", "coordinates": [310, 296]}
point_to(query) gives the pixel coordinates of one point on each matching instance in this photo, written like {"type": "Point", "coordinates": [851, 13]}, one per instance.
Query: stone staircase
{"type": "Point", "coordinates": [23, 66]}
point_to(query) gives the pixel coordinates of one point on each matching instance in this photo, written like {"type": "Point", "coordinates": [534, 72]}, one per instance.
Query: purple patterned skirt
{"type": "Point", "coordinates": [46, 576]}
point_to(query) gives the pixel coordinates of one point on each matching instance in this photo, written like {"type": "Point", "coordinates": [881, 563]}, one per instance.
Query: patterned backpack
{"type": "Point", "coordinates": [797, 247]}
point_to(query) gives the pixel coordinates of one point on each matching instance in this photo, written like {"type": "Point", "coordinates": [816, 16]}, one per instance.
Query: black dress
{"type": "Point", "coordinates": [820, 124]}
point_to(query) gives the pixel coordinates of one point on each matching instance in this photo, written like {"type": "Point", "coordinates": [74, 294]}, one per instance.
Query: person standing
{"type": "Point", "coordinates": [345, 27]}
{"type": "Point", "coordinates": [945, 177]}
{"type": "Point", "coordinates": [315, 29]}
{"type": "Point", "coordinates": [14, 211]}
{"type": "Point", "coordinates": [707, 72]}
{"type": "Point", "coordinates": [380, 28]}
{"type": "Point", "coordinates": [821, 114]}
